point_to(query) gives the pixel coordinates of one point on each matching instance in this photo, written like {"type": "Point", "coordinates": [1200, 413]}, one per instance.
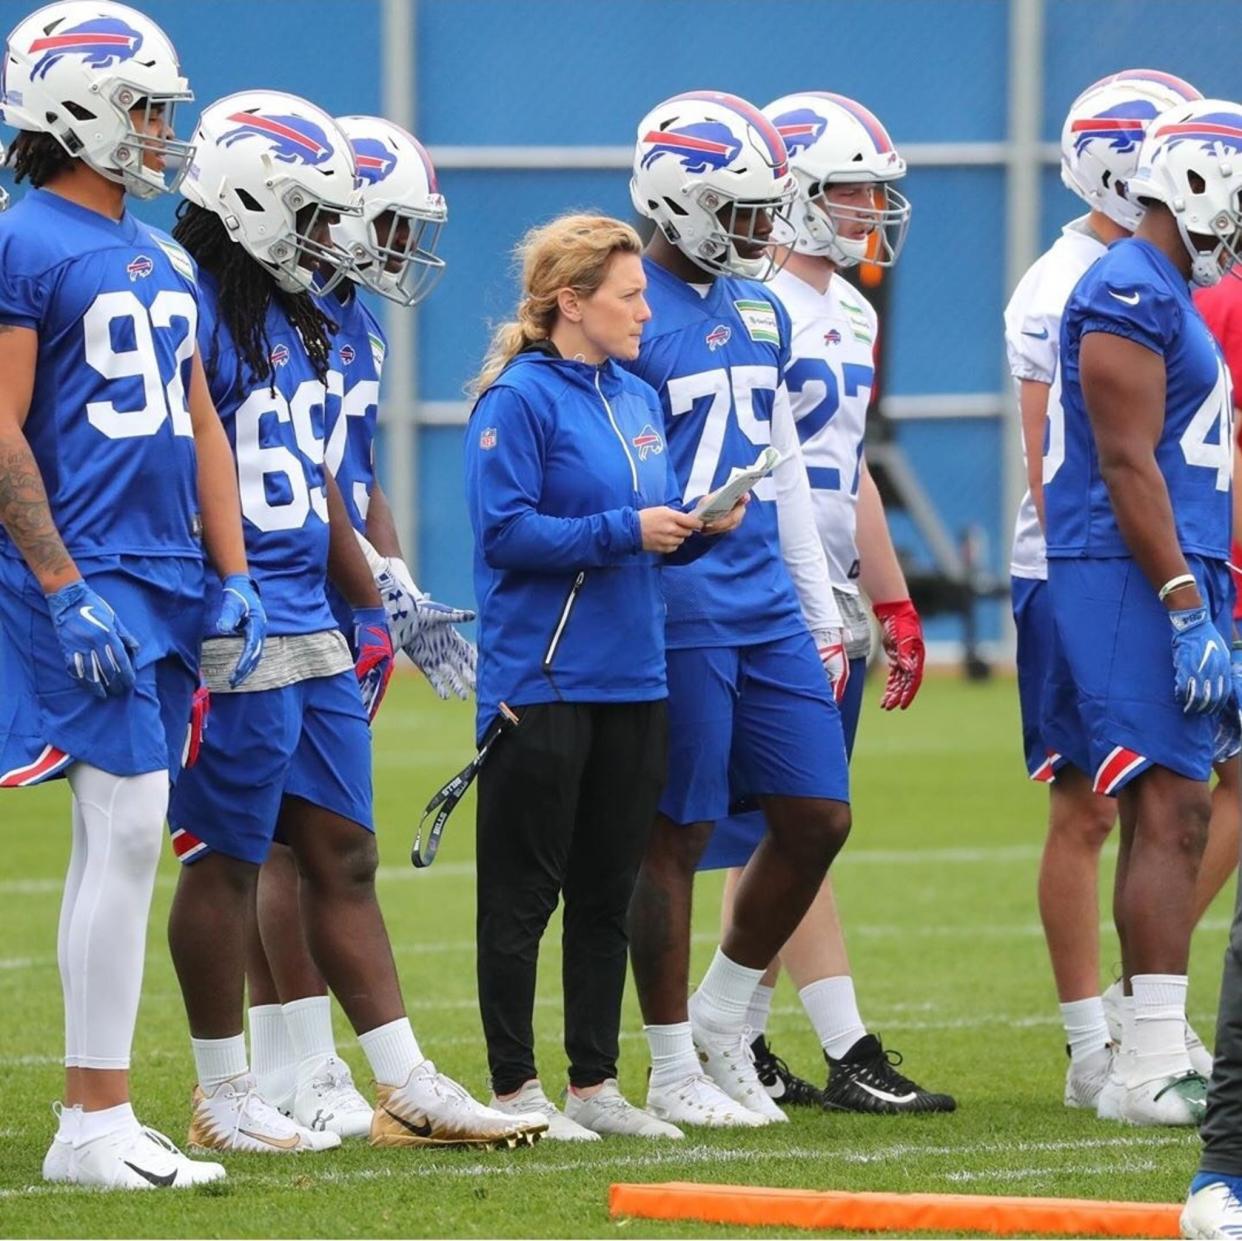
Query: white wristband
{"type": "Point", "coordinates": [1176, 583]}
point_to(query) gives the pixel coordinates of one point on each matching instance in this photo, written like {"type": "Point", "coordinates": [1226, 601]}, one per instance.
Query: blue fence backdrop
{"type": "Point", "coordinates": [531, 73]}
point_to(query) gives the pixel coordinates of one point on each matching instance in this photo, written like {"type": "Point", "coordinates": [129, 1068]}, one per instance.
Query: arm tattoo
{"type": "Point", "coordinates": [24, 510]}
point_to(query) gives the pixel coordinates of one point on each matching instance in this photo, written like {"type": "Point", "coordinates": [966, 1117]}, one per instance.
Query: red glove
{"type": "Point", "coordinates": [200, 708]}
{"type": "Point", "coordinates": [376, 658]}
{"type": "Point", "coordinates": [903, 645]}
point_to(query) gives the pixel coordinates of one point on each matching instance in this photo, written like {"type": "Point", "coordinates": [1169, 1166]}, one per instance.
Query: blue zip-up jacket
{"type": "Point", "coordinates": [560, 456]}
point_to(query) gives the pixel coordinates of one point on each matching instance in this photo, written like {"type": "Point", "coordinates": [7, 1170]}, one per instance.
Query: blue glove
{"type": "Point", "coordinates": [241, 612]}
{"type": "Point", "coordinates": [1228, 739]}
{"type": "Point", "coordinates": [1202, 676]}
{"type": "Point", "coordinates": [98, 649]}
{"type": "Point", "coordinates": [376, 658]}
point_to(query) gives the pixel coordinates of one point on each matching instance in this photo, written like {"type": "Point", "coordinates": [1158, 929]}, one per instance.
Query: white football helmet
{"type": "Point", "coordinates": [272, 166]}
{"type": "Point", "coordinates": [396, 176]}
{"type": "Point", "coordinates": [1103, 132]}
{"type": "Point", "coordinates": [833, 140]}
{"type": "Point", "coordinates": [78, 70]}
{"type": "Point", "coordinates": [1192, 162]}
{"type": "Point", "coordinates": [712, 173]}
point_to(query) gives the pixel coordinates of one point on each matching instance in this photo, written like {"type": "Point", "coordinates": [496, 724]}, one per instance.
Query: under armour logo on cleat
{"type": "Point", "coordinates": [153, 1178]}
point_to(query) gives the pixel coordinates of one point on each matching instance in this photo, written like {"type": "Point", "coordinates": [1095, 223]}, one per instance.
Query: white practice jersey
{"type": "Point", "coordinates": [1032, 341]}
{"type": "Point", "coordinates": [830, 379]}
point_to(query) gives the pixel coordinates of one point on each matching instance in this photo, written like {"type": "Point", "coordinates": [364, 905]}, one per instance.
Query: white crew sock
{"type": "Point", "coordinates": [1159, 1024]}
{"type": "Point", "coordinates": [673, 1057]}
{"type": "Point", "coordinates": [309, 1023]}
{"type": "Point", "coordinates": [759, 1010]}
{"type": "Point", "coordinates": [724, 995]}
{"type": "Point", "coordinates": [70, 1121]}
{"type": "Point", "coordinates": [833, 1009]}
{"type": "Point", "coordinates": [94, 1125]}
{"type": "Point", "coordinates": [392, 1051]}
{"type": "Point", "coordinates": [105, 935]}
{"type": "Point", "coordinates": [272, 1057]}
{"type": "Point", "coordinates": [217, 1060]}
{"type": "Point", "coordinates": [1086, 1027]}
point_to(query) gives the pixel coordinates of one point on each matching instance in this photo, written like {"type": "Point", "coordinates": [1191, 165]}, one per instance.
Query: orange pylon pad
{"type": "Point", "coordinates": [873, 1212]}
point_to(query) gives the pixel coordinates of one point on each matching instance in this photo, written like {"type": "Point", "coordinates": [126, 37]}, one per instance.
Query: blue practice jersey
{"type": "Point", "coordinates": [716, 362]}
{"type": "Point", "coordinates": [1134, 291]}
{"type": "Point", "coordinates": [115, 306]}
{"type": "Point", "coordinates": [358, 349]}
{"type": "Point", "coordinates": [277, 437]}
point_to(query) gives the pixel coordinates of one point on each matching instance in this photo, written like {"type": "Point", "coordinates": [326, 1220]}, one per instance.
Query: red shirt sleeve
{"type": "Point", "coordinates": [1221, 307]}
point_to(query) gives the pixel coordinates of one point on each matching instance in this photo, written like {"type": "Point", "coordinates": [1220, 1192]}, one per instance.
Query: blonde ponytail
{"type": "Point", "coordinates": [571, 251]}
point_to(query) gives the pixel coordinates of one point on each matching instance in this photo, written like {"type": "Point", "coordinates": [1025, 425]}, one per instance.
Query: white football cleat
{"type": "Point", "coordinates": [430, 1109]}
{"type": "Point", "coordinates": [1179, 1099]}
{"type": "Point", "coordinates": [56, 1163]}
{"type": "Point", "coordinates": [697, 1100]}
{"type": "Point", "coordinates": [1200, 1056]}
{"type": "Point", "coordinates": [138, 1158]}
{"type": "Point", "coordinates": [1212, 1211]}
{"type": "Point", "coordinates": [729, 1061]}
{"type": "Point", "coordinates": [234, 1117]}
{"type": "Point", "coordinates": [608, 1113]}
{"type": "Point", "coordinates": [1086, 1078]}
{"type": "Point", "coordinates": [327, 1099]}
{"type": "Point", "coordinates": [531, 1102]}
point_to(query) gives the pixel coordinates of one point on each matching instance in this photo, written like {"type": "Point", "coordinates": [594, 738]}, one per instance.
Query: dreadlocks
{"type": "Point", "coordinates": [246, 290]}
{"type": "Point", "coordinates": [37, 157]}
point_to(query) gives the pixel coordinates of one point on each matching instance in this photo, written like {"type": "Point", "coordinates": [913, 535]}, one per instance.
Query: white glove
{"type": "Point", "coordinates": [831, 646]}
{"type": "Point", "coordinates": [445, 658]}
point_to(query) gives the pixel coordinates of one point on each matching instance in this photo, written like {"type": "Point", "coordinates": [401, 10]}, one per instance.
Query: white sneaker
{"type": "Point", "coordinates": [729, 1061]}
{"type": "Point", "coordinates": [56, 1163]}
{"type": "Point", "coordinates": [1179, 1099]}
{"type": "Point", "coordinates": [138, 1158]}
{"type": "Point", "coordinates": [326, 1098]}
{"type": "Point", "coordinates": [433, 1110]}
{"type": "Point", "coordinates": [1200, 1057]}
{"type": "Point", "coordinates": [531, 1101]}
{"type": "Point", "coordinates": [1213, 1211]}
{"type": "Point", "coordinates": [1085, 1078]}
{"type": "Point", "coordinates": [608, 1112]}
{"type": "Point", "coordinates": [234, 1117]}
{"type": "Point", "coordinates": [697, 1100]}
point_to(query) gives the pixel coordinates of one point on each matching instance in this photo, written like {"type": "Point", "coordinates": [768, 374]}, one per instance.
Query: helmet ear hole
{"type": "Point", "coordinates": [1195, 181]}
{"type": "Point", "coordinates": [77, 111]}
{"type": "Point", "coordinates": [248, 200]}
{"type": "Point", "coordinates": [675, 207]}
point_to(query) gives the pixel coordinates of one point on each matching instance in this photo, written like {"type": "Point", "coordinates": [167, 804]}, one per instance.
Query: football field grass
{"type": "Point", "coordinates": [937, 893]}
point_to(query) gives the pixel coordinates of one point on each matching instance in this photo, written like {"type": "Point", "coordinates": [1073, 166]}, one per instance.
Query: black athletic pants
{"type": "Point", "coordinates": [1222, 1128]}
{"type": "Point", "coordinates": [566, 801]}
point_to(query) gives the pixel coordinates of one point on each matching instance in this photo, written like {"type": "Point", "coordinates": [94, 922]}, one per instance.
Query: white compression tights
{"type": "Point", "coordinates": [118, 828]}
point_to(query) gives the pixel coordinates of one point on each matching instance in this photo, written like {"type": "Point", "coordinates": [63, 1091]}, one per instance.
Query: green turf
{"type": "Point", "coordinates": [937, 892]}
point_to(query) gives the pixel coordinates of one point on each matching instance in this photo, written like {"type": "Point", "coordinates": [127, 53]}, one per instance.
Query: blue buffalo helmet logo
{"type": "Point", "coordinates": [373, 159]}
{"type": "Point", "coordinates": [699, 146]}
{"type": "Point", "coordinates": [103, 41]}
{"type": "Point", "coordinates": [1211, 130]}
{"type": "Point", "coordinates": [1122, 127]}
{"type": "Point", "coordinates": [293, 139]}
{"type": "Point", "coordinates": [800, 128]}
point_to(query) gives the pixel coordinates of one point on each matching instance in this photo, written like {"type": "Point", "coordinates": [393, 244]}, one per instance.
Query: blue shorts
{"type": "Point", "coordinates": [1032, 615]}
{"type": "Point", "coordinates": [750, 721]}
{"type": "Point", "coordinates": [1108, 705]}
{"type": "Point", "coordinates": [737, 836]}
{"type": "Point", "coordinates": [48, 720]}
{"type": "Point", "coordinates": [310, 740]}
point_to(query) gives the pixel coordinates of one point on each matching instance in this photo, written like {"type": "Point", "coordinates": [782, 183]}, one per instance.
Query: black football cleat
{"type": "Point", "coordinates": [780, 1082]}
{"type": "Point", "coordinates": [865, 1079]}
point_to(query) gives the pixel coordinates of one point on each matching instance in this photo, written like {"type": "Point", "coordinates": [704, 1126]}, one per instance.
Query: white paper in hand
{"type": "Point", "coordinates": [714, 505]}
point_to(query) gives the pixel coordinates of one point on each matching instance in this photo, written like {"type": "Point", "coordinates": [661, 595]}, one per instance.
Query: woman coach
{"type": "Point", "coordinates": [573, 502]}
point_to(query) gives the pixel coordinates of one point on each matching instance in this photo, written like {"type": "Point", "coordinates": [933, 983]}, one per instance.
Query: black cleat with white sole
{"type": "Point", "coordinates": [780, 1082]}
{"type": "Point", "coordinates": [865, 1079]}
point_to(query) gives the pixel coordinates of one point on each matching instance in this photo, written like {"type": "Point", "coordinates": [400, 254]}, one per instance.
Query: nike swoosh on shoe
{"type": "Point", "coordinates": [282, 1144]}
{"type": "Point", "coordinates": [420, 1131]}
{"type": "Point", "coordinates": [160, 1182]}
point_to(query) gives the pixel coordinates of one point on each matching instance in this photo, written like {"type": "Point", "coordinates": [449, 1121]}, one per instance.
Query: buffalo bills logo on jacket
{"type": "Point", "coordinates": [719, 335]}
{"type": "Point", "coordinates": [347, 354]}
{"type": "Point", "coordinates": [800, 128]}
{"type": "Point", "coordinates": [373, 159]}
{"type": "Point", "coordinates": [648, 441]}
{"type": "Point", "coordinates": [279, 355]}
{"type": "Point", "coordinates": [832, 337]}
{"type": "Point", "coordinates": [104, 41]}
{"type": "Point", "coordinates": [699, 146]}
{"type": "Point", "coordinates": [1212, 130]}
{"type": "Point", "coordinates": [139, 267]}
{"type": "Point", "coordinates": [293, 139]}
{"type": "Point", "coordinates": [1122, 127]}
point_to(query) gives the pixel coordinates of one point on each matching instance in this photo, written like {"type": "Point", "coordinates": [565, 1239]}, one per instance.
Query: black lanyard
{"type": "Point", "coordinates": [445, 801]}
